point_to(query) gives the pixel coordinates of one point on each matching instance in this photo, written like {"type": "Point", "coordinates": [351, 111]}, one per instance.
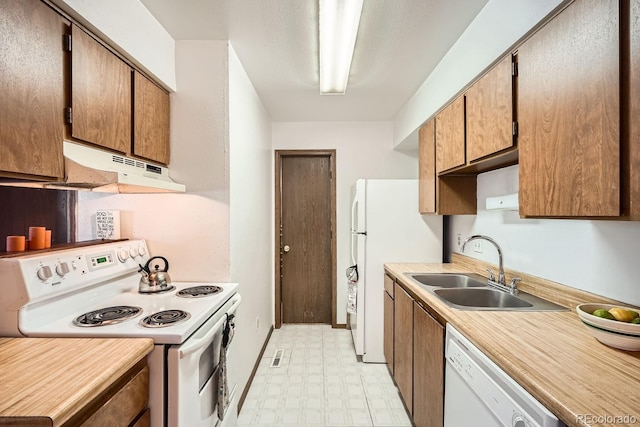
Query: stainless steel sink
{"type": "Point", "coordinates": [492, 299]}
{"type": "Point", "coordinates": [470, 292]}
{"type": "Point", "coordinates": [483, 297]}
{"type": "Point", "coordinates": [449, 280]}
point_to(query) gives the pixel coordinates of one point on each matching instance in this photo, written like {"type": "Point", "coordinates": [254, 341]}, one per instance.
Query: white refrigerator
{"type": "Point", "coordinates": [386, 227]}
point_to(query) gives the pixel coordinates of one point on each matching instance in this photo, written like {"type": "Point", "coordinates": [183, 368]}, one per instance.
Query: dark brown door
{"type": "Point", "coordinates": [306, 257]}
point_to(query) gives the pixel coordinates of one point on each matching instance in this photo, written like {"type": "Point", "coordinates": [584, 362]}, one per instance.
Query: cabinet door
{"type": "Point", "coordinates": [489, 112]}
{"type": "Point", "coordinates": [450, 150]}
{"type": "Point", "coordinates": [427, 168]}
{"type": "Point", "coordinates": [403, 345]}
{"type": "Point", "coordinates": [100, 94]}
{"type": "Point", "coordinates": [151, 120]}
{"type": "Point", "coordinates": [32, 87]}
{"type": "Point", "coordinates": [428, 369]}
{"type": "Point", "coordinates": [632, 171]}
{"type": "Point", "coordinates": [388, 330]}
{"type": "Point", "coordinates": [569, 114]}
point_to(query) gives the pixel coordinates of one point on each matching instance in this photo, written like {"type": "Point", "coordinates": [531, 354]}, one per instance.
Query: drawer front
{"type": "Point", "coordinates": [125, 405]}
{"type": "Point", "coordinates": [388, 285]}
{"type": "Point", "coordinates": [144, 420]}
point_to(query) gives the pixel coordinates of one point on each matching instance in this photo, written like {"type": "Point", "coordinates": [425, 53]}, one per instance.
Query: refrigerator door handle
{"type": "Point", "coordinates": [353, 244]}
{"type": "Point", "coordinates": [354, 206]}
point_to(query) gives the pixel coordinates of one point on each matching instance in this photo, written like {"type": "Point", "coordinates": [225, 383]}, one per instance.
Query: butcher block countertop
{"type": "Point", "coordinates": [550, 354]}
{"type": "Point", "coordinates": [54, 378]}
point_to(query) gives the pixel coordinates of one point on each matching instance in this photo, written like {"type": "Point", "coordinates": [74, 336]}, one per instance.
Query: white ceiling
{"type": "Point", "coordinates": [399, 44]}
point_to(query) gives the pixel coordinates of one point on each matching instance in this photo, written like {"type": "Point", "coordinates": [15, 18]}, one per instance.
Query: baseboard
{"type": "Point", "coordinates": [243, 396]}
{"type": "Point", "coordinates": [340, 326]}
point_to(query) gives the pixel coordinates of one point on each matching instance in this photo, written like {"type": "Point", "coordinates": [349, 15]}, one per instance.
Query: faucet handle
{"type": "Point", "coordinates": [514, 281]}
{"type": "Point", "coordinates": [492, 276]}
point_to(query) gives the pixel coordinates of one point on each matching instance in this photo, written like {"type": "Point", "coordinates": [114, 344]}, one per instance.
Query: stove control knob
{"type": "Point", "coordinates": [45, 273]}
{"type": "Point", "coordinates": [142, 251]}
{"type": "Point", "coordinates": [62, 269]}
{"type": "Point", "coordinates": [133, 252]}
{"type": "Point", "coordinates": [123, 255]}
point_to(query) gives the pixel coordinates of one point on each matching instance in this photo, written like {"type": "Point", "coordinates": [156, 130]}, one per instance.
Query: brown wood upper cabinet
{"type": "Point", "coordinates": [631, 148]}
{"type": "Point", "coordinates": [442, 195]}
{"type": "Point", "coordinates": [151, 120]}
{"type": "Point", "coordinates": [100, 94]}
{"type": "Point", "coordinates": [569, 114]}
{"type": "Point", "coordinates": [103, 109]}
{"type": "Point", "coordinates": [32, 87]}
{"type": "Point", "coordinates": [428, 369]}
{"type": "Point", "coordinates": [489, 112]}
{"type": "Point", "coordinates": [450, 136]}
{"type": "Point", "coordinates": [427, 168]}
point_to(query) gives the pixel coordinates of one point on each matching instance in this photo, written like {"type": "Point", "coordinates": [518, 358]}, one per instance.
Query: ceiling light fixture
{"type": "Point", "coordinates": [339, 21]}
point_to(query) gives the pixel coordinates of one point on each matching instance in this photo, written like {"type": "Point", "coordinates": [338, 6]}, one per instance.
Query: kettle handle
{"type": "Point", "coordinates": [147, 266]}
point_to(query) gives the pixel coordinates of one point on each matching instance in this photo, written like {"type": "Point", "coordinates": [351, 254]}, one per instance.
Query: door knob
{"type": "Point", "coordinates": [286, 248]}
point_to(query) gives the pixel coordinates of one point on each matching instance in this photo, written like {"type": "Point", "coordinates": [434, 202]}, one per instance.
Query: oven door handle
{"type": "Point", "coordinates": [196, 344]}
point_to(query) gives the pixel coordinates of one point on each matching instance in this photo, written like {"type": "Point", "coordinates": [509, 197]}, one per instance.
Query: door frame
{"type": "Point", "coordinates": [279, 155]}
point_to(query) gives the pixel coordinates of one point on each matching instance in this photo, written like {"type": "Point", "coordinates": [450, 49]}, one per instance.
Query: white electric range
{"type": "Point", "coordinates": [84, 292]}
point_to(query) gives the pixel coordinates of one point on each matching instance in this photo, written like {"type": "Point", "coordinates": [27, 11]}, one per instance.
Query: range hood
{"type": "Point", "coordinates": [88, 168]}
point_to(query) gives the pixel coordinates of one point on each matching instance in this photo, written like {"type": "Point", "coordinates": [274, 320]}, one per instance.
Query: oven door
{"type": "Point", "coordinates": [193, 373]}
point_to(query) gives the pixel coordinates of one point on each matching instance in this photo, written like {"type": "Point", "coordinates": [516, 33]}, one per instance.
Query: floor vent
{"type": "Point", "coordinates": [277, 358]}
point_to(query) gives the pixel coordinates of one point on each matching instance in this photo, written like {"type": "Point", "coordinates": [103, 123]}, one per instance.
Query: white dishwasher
{"type": "Point", "coordinates": [479, 393]}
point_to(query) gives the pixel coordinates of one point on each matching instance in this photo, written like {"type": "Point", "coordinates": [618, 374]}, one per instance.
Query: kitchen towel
{"type": "Point", "coordinates": [352, 289]}
{"type": "Point", "coordinates": [223, 387]}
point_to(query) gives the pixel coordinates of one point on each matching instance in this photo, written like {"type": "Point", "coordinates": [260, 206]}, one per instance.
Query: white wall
{"type": "Point", "coordinates": [363, 150]}
{"type": "Point", "coordinates": [251, 217]}
{"type": "Point", "coordinates": [498, 26]}
{"type": "Point", "coordinates": [596, 256]}
{"type": "Point", "coordinates": [130, 28]}
{"type": "Point", "coordinates": [191, 230]}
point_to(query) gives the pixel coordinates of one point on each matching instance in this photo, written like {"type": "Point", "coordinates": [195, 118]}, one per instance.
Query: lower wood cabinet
{"type": "Point", "coordinates": [428, 369]}
{"type": "Point", "coordinates": [403, 345]}
{"type": "Point", "coordinates": [125, 403]}
{"type": "Point", "coordinates": [388, 322]}
{"type": "Point", "coordinates": [417, 355]}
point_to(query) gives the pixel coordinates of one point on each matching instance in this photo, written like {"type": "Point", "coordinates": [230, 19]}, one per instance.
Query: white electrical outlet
{"type": "Point", "coordinates": [257, 322]}
{"type": "Point", "coordinates": [477, 246]}
{"type": "Point", "coordinates": [459, 240]}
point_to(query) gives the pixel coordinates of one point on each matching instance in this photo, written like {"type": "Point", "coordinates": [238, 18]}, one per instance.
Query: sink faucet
{"type": "Point", "coordinates": [500, 284]}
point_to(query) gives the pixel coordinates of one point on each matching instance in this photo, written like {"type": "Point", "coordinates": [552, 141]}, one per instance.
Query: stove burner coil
{"type": "Point", "coordinates": [164, 318]}
{"type": "Point", "coordinates": [157, 290]}
{"type": "Point", "coordinates": [199, 291]}
{"type": "Point", "coordinates": [107, 316]}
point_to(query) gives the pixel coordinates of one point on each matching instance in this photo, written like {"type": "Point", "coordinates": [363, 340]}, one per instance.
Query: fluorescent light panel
{"type": "Point", "coordinates": [339, 21]}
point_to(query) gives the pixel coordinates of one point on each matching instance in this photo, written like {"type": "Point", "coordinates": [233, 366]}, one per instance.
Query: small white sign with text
{"type": "Point", "coordinates": [108, 225]}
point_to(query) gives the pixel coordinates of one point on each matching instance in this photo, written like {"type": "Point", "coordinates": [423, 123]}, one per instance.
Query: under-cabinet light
{"type": "Point", "coordinates": [339, 21]}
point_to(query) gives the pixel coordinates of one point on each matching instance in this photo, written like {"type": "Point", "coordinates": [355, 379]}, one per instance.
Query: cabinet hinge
{"type": "Point", "coordinates": [66, 42]}
{"type": "Point", "coordinates": [515, 129]}
{"type": "Point", "coordinates": [514, 69]}
{"type": "Point", "coordinates": [68, 115]}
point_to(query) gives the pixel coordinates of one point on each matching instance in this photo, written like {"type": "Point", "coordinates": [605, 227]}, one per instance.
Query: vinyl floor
{"type": "Point", "coordinates": [320, 383]}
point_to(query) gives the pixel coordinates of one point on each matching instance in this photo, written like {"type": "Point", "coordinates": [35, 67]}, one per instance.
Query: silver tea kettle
{"type": "Point", "coordinates": [157, 280]}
